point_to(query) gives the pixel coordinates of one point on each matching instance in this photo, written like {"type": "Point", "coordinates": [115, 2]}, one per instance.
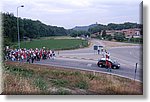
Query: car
{"type": "Point", "coordinates": [102, 63]}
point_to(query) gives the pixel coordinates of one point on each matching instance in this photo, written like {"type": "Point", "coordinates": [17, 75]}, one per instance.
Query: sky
{"type": "Point", "coordinates": [71, 13]}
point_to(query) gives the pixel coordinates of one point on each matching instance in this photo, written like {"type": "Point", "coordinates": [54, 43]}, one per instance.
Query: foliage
{"type": "Point", "coordinates": [104, 33]}
{"type": "Point", "coordinates": [7, 42]}
{"type": "Point", "coordinates": [113, 26]}
{"type": "Point", "coordinates": [36, 29]}
{"type": "Point", "coordinates": [126, 25]}
{"type": "Point", "coordinates": [119, 36]}
{"type": "Point", "coordinates": [28, 28]}
{"type": "Point", "coordinates": [97, 28]}
{"type": "Point", "coordinates": [75, 33]}
{"type": "Point", "coordinates": [135, 40]}
{"type": "Point", "coordinates": [108, 37]}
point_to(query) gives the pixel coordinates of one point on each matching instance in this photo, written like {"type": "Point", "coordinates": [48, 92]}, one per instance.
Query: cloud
{"type": "Point", "coordinates": [69, 13]}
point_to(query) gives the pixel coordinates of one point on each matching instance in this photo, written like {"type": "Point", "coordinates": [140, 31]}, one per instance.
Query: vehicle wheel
{"type": "Point", "coordinates": [114, 67]}
{"type": "Point", "coordinates": [100, 65]}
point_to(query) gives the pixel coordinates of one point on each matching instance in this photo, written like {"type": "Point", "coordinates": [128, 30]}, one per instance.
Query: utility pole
{"type": "Point", "coordinates": [18, 26]}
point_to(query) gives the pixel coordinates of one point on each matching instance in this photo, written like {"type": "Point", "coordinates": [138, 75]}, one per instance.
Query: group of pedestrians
{"type": "Point", "coordinates": [28, 55]}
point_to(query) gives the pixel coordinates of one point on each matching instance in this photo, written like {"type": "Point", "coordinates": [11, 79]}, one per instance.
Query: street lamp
{"type": "Point", "coordinates": [18, 26]}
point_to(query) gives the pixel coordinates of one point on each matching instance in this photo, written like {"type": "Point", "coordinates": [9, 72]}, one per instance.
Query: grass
{"type": "Point", "coordinates": [59, 82]}
{"type": "Point", "coordinates": [40, 83]}
{"type": "Point", "coordinates": [61, 91]}
{"type": "Point", "coordinates": [19, 70]}
{"type": "Point", "coordinates": [82, 84]}
{"type": "Point", "coordinates": [55, 44]}
{"type": "Point", "coordinates": [38, 79]}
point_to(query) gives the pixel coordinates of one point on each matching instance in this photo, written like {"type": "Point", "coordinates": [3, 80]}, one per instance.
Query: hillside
{"type": "Point", "coordinates": [28, 28]}
{"type": "Point", "coordinates": [84, 28]}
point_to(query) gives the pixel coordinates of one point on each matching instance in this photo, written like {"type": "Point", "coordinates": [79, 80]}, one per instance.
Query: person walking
{"type": "Point", "coordinates": [98, 49]}
{"type": "Point", "coordinates": [109, 66]}
{"type": "Point", "coordinates": [28, 57]}
{"type": "Point", "coordinates": [53, 54]}
{"type": "Point", "coordinates": [103, 53]}
{"type": "Point", "coordinates": [32, 57]}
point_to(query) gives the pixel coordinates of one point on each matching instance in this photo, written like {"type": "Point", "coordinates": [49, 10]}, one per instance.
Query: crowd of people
{"type": "Point", "coordinates": [31, 55]}
{"type": "Point", "coordinates": [28, 55]}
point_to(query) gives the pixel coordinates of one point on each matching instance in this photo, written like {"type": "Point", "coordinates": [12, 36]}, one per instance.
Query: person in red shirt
{"type": "Point", "coordinates": [108, 63]}
{"type": "Point", "coordinates": [109, 66]}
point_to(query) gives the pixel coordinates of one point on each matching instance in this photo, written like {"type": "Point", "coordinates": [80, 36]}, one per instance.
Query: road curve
{"type": "Point", "coordinates": [86, 59]}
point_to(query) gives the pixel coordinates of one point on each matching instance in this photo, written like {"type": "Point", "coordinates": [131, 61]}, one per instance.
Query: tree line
{"type": "Point", "coordinates": [111, 26]}
{"type": "Point", "coordinates": [28, 28]}
{"type": "Point", "coordinates": [36, 29]}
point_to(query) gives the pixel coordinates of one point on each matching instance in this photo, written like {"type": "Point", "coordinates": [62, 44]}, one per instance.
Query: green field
{"type": "Point", "coordinates": [55, 44]}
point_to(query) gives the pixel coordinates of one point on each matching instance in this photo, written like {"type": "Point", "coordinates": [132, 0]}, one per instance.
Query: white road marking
{"type": "Point", "coordinates": [89, 65]}
{"type": "Point", "coordinates": [130, 53]}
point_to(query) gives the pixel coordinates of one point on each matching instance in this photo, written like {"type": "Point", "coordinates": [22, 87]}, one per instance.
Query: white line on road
{"type": "Point", "coordinates": [89, 65]}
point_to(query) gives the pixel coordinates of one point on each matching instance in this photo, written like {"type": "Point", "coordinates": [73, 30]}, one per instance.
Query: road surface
{"type": "Point", "coordinates": [86, 59]}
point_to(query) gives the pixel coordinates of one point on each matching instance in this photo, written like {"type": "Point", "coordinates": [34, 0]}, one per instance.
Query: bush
{"type": "Point", "coordinates": [119, 36]}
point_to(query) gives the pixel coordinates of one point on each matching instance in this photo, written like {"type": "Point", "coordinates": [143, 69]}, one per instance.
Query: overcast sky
{"type": "Point", "coordinates": [71, 13]}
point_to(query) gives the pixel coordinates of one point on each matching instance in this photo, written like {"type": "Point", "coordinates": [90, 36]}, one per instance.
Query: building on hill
{"type": "Point", "coordinates": [129, 33]}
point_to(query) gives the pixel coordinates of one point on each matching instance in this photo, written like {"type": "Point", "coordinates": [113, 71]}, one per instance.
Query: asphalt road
{"type": "Point", "coordinates": [127, 56]}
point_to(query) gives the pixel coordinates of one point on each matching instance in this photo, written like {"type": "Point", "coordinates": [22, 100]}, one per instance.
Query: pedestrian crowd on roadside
{"type": "Point", "coordinates": [28, 55]}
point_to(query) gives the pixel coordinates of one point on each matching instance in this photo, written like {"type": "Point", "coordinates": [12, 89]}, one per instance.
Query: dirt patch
{"type": "Point", "coordinates": [117, 44]}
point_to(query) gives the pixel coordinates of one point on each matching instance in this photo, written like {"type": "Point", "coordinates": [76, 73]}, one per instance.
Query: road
{"type": "Point", "coordinates": [86, 59]}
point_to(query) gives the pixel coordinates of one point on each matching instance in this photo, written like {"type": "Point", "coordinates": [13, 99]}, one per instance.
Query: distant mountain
{"type": "Point", "coordinates": [84, 28]}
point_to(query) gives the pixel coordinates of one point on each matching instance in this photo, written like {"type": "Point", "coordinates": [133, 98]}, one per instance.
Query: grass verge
{"type": "Point", "coordinates": [39, 79]}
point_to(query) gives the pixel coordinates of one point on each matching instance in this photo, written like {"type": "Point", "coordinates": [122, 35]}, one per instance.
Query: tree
{"type": "Point", "coordinates": [28, 28]}
{"type": "Point", "coordinates": [108, 37]}
{"type": "Point", "coordinates": [104, 33]}
{"type": "Point", "coordinates": [119, 36]}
